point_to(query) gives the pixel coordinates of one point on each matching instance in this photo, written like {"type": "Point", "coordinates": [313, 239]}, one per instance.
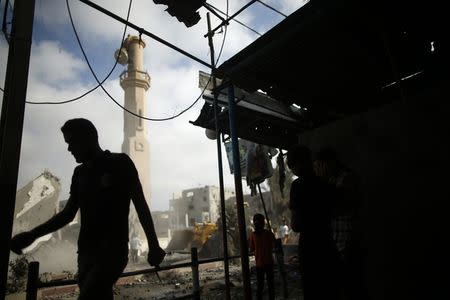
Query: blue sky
{"type": "Point", "coordinates": [181, 155]}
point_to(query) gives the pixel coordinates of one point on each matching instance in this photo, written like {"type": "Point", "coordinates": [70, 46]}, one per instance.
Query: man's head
{"type": "Point", "coordinates": [299, 160]}
{"type": "Point", "coordinates": [81, 137]}
{"type": "Point", "coordinates": [258, 221]}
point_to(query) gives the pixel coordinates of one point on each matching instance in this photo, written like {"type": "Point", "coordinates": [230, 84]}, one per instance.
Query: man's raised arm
{"type": "Point", "coordinates": [62, 218]}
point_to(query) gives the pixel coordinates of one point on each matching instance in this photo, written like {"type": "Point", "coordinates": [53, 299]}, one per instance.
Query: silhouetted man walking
{"type": "Point", "coordinates": [102, 186]}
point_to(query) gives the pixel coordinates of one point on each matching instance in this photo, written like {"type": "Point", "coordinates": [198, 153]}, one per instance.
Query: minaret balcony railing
{"type": "Point", "coordinates": [134, 74]}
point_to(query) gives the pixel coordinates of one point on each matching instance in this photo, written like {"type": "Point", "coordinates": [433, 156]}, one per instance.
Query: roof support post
{"type": "Point", "coordinates": [225, 22]}
{"type": "Point", "coordinates": [219, 160]}
{"type": "Point", "coordinates": [11, 124]}
{"type": "Point", "coordinates": [239, 196]}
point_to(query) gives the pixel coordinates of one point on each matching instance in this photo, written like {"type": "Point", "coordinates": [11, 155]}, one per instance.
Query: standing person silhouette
{"type": "Point", "coordinates": [262, 244]}
{"type": "Point", "coordinates": [311, 206]}
{"type": "Point", "coordinates": [135, 245]}
{"type": "Point", "coordinates": [102, 185]}
{"type": "Point", "coordinates": [284, 232]}
{"type": "Point", "coordinates": [329, 167]}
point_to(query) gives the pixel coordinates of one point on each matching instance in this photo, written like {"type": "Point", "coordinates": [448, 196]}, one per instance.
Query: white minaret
{"type": "Point", "coordinates": [135, 82]}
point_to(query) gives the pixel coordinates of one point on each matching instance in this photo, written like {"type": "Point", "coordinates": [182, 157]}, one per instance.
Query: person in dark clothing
{"type": "Point", "coordinates": [262, 244]}
{"type": "Point", "coordinates": [329, 167]}
{"type": "Point", "coordinates": [311, 206]}
{"type": "Point", "coordinates": [345, 214]}
{"type": "Point", "coordinates": [102, 185]}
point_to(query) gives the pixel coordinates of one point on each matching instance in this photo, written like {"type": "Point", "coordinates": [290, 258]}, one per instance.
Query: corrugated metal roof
{"type": "Point", "coordinates": [336, 58]}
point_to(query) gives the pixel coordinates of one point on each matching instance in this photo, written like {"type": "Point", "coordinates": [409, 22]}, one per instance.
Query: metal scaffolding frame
{"type": "Point", "coordinates": [11, 128]}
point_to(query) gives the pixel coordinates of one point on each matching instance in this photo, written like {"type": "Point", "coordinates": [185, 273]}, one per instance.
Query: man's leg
{"type": "Point", "coordinates": [97, 285]}
{"type": "Point", "coordinates": [270, 281]}
{"type": "Point", "coordinates": [97, 276]}
{"type": "Point", "coordinates": [259, 282]}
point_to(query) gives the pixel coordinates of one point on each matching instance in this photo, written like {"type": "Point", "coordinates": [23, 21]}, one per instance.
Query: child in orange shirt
{"type": "Point", "coordinates": [261, 244]}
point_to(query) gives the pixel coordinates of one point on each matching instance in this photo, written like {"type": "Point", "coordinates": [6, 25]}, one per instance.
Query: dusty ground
{"type": "Point", "coordinates": [178, 283]}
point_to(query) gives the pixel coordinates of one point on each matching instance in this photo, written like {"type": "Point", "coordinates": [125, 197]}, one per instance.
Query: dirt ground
{"type": "Point", "coordinates": [177, 283]}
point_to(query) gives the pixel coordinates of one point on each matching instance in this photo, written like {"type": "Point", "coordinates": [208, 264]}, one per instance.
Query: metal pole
{"type": "Point", "coordinates": [225, 22]}
{"type": "Point", "coordinates": [195, 278]}
{"type": "Point", "coordinates": [239, 195]}
{"type": "Point", "coordinates": [11, 124]}
{"type": "Point", "coordinates": [211, 9]}
{"type": "Point", "coordinates": [264, 207]}
{"type": "Point", "coordinates": [32, 282]}
{"type": "Point", "coordinates": [143, 31]}
{"type": "Point", "coordinates": [219, 160]}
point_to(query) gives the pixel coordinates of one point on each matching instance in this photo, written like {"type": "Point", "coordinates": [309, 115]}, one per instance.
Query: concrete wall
{"type": "Point", "coordinates": [401, 153]}
{"type": "Point", "coordinates": [36, 202]}
{"type": "Point", "coordinates": [200, 204]}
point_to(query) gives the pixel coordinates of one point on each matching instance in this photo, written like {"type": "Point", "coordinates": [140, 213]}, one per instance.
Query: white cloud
{"type": "Point", "coordinates": [181, 155]}
{"type": "Point", "coordinates": [53, 65]}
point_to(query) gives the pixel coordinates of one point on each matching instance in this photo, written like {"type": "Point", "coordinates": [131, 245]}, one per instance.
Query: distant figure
{"type": "Point", "coordinates": [102, 185]}
{"type": "Point", "coordinates": [262, 244]}
{"type": "Point", "coordinates": [310, 205]}
{"type": "Point", "coordinates": [284, 232]}
{"type": "Point", "coordinates": [135, 245]}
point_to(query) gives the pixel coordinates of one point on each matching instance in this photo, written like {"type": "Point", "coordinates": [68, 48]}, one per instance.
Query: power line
{"type": "Point", "coordinates": [112, 98]}
{"type": "Point", "coordinates": [270, 7]}
{"type": "Point", "coordinates": [237, 21]}
{"type": "Point", "coordinates": [225, 22]}
{"type": "Point", "coordinates": [98, 85]}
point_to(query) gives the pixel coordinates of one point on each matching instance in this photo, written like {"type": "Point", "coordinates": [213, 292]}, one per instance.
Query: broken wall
{"type": "Point", "coordinates": [36, 202]}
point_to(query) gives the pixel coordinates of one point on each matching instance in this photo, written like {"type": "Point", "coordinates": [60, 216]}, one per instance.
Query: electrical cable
{"type": "Point", "coordinates": [99, 83]}
{"type": "Point", "coordinates": [270, 7]}
{"type": "Point", "coordinates": [237, 21]}
{"type": "Point", "coordinates": [114, 100]}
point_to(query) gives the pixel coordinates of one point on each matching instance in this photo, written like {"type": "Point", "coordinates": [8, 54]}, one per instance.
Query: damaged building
{"type": "Point", "coordinates": [36, 202]}
{"type": "Point", "coordinates": [193, 216]}
{"type": "Point", "coordinates": [196, 205]}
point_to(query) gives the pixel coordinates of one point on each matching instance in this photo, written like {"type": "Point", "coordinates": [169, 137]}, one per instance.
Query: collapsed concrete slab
{"type": "Point", "coordinates": [36, 202]}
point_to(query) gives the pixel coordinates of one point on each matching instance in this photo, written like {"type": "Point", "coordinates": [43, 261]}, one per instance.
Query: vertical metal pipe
{"type": "Point", "coordinates": [11, 124]}
{"type": "Point", "coordinates": [219, 160]}
{"type": "Point", "coordinates": [264, 207]}
{"type": "Point", "coordinates": [32, 282]}
{"type": "Point", "coordinates": [239, 196]}
{"type": "Point", "coordinates": [195, 275]}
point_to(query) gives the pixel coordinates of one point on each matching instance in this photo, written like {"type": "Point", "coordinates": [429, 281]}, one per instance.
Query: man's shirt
{"type": "Point", "coordinates": [102, 190]}
{"type": "Point", "coordinates": [262, 243]}
{"type": "Point", "coordinates": [284, 230]}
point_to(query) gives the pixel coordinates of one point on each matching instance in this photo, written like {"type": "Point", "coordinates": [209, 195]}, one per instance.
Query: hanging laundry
{"type": "Point", "coordinates": [259, 164]}
{"type": "Point", "coordinates": [242, 154]}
